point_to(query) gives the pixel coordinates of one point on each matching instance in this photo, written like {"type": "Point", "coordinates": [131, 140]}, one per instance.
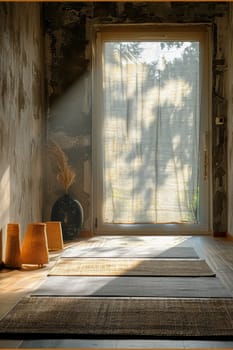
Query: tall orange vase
{"type": "Point", "coordinates": [12, 252]}
{"type": "Point", "coordinates": [54, 235]}
{"type": "Point", "coordinates": [35, 247]}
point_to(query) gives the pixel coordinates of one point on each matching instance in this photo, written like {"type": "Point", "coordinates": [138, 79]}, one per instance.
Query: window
{"type": "Point", "coordinates": [151, 130]}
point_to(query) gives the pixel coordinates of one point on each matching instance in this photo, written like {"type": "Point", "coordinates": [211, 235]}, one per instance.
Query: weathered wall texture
{"type": "Point", "coordinates": [21, 114]}
{"type": "Point", "coordinates": [68, 28]}
{"type": "Point", "coordinates": [219, 131]}
{"type": "Point", "coordinates": [229, 90]}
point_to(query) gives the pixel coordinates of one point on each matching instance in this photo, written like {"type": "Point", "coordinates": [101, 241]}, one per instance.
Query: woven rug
{"type": "Point", "coordinates": [130, 267]}
{"type": "Point", "coordinates": [106, 286]}
{"type": "Point", "coordinates": [125, 317]}
{"type": "Point", "coordinates": [142, 251]}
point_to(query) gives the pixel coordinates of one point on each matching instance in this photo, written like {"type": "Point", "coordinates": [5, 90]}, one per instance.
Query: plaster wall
{"type": "Point", "coordinates": [21, 114]}
{"type": "Point", "coordinates": [229, 89]}
{"type": "Point", "coordinates": [68, 29]}
{"type": "Point", "coordinates": [219, 132]}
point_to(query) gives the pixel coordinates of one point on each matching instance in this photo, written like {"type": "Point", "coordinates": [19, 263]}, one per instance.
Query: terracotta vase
{"type": "Point", "coordinates": [1, 261]}
{"type": "Point", "coordinates": [35, 247]}
{"type": "Point", "coordinates": [12, 251]}
{"type": "Point", "coordinates": [54, 235]}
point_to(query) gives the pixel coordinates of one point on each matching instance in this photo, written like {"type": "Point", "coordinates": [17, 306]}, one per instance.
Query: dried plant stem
{"type": "Point", "coordinates": [65, 173]}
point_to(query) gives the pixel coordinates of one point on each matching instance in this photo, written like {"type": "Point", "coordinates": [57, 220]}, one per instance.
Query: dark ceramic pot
{"type": "Point", "coordinates": [69, 212]}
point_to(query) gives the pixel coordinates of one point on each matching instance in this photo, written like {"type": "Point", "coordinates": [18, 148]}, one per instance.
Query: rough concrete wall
{"type": "Point", "coordinates": [68, 28]}
{"type": "Point", "coordinates": [219, 130]}
{"type": "Point", "coordinates": [230, 119]}
{"type": "Point", "coordinates": [21, 114]}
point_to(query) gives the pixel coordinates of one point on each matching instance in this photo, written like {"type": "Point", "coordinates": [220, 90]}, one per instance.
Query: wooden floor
{"type": "Point", "coordinates": [15, 284]}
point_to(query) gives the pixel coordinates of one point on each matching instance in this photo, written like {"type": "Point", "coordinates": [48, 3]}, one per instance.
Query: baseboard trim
{"type": "Point", "coordinates": [86, 234]}
{"type": "Point", "coordinates": [228, 236]}
{"type": "Point", "coordinates": [220, 234]}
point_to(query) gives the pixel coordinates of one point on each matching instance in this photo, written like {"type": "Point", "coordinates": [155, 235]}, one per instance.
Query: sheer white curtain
{"type": "Point", "coordinates": [150, 132]}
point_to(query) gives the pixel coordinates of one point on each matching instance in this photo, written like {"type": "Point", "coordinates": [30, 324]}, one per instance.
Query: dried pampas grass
{"type": "Point", "coordinates": [65, 173]}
